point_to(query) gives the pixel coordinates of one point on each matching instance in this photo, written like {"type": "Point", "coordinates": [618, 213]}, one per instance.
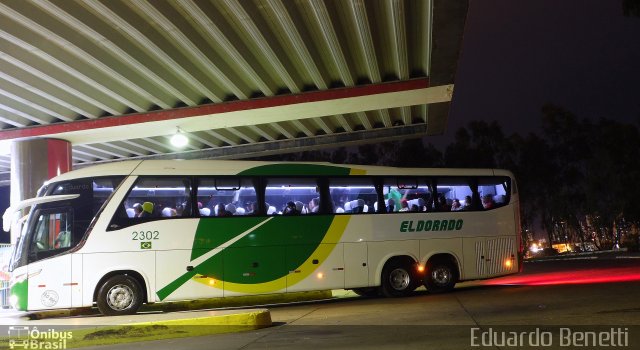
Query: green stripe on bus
{"type": "Point", "coordinates": [21, 291]}
{"type": "Point", "coordinates": [212, 232]}
{"type": "Point", "coordinates": [171, 287]}
{"type": "Point", "coordinates": [263, 255]}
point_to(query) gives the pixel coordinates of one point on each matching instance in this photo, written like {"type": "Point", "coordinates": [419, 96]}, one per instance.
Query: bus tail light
{"type": "Point", "coordinates": [508, 263]}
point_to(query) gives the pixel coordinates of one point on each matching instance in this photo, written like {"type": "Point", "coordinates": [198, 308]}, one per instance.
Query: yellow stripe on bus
{"type": "Point", "coordinates": [337, 228]}
{"type": "Point", "coordinates": [355, 171]}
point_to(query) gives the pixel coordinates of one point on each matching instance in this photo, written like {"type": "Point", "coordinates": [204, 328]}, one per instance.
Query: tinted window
{"type": "Point", "coordinates": [290, 196]}
{"type": "Point", "coordinates": [454, 194]}
{"type": "Point", "coordinates": [405, 194]}
{"type": "Point", "coordinates": [494, 192]}
{"type": "Point", "coordinates": [157, 197]}
{"type": "Point", "coordinates": [353, 195]}
{"type": "Point", "coordinates": [226, 197]}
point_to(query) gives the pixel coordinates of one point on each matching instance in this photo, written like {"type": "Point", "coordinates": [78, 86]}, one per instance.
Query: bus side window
{"type": "Point", "coordinates": [454, 194]}
{"type": "Point", "coordinates": [494, 191]}
{"type": "Point", "coordinates": [154, 198]}
{"type": "Point", "coordinates": [291, 196]}
{"type": "Point", "coordinates": [353, 195]}
{"type": "Point", "coordinates": [406, 194]}
{"type": "Point", "coordinates": [226, 196]}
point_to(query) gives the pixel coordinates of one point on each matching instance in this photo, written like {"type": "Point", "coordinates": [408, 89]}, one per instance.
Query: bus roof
{"type": "Point", "coordinates": [235, 167]}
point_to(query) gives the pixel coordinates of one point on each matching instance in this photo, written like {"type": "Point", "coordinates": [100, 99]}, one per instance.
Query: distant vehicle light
{"type": "Point", "coordinates": [320, 275]}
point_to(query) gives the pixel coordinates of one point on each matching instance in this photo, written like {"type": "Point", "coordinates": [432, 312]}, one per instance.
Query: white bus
{"type": "Point", "coordinates": [121, 234]}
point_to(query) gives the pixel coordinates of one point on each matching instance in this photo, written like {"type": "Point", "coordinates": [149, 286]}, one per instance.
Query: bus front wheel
{"type": "Point", "coordinates": [441, 277]}
{"type": "Point", "coordinates": [119, 295]}
{"type": "Point", "coordinates": [397, 279]}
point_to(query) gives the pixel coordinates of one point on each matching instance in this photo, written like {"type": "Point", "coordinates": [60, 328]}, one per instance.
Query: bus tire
{"type": "Point", "coordinates": [398, 279]}
{"type": "Point", "coordinates": [366, 291]}
{"type": "Point", "coordinates": [441, 277]}
{"type": "Point", "coordinates": [119, 295]}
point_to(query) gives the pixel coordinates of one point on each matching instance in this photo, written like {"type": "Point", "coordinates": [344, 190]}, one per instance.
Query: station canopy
{"type": "Point", "coordinates": [239, 78]}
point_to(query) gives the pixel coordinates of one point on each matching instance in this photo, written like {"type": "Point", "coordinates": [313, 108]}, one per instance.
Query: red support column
{"type": "Point", "coordinates": [32, 163]}
{"type": "Point", "coordinates": [59, 157]}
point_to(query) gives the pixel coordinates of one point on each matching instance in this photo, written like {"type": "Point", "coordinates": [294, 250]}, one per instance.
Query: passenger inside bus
{"type": "Point", "coordinates": [314, 205]}
{"type": "Point", "coordinates": [137, 210]}
{"type": "Point", "coordinates": [467, 203]}
{"type": "Point", "coordinates": [230, 209]}
{"type": "Point", "coordinates": [131, 213]}
{"type": "Point", "coordinates": [63, 240]}
{"type": "Point", "coordinates": [487, 201]}
{"type": "Point", "coordinates": [168, 212]}
{"type": "Point", "coordinates": [290, 209]}
{"type": "Point", "coordinates": [391, 205]}
{"type": "Point", "coordinates": [147, 210]}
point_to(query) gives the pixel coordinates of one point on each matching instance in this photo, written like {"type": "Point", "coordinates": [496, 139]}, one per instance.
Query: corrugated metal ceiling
{"type": "Point", "coordinates": [64, 61]}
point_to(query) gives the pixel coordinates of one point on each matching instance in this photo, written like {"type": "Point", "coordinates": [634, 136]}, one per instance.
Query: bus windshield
{"type": "Point", "coordinates": [57, 226]}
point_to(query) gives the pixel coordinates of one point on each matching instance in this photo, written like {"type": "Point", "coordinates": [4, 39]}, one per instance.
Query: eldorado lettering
{"type": "Point", "coordinates": [431, 225]}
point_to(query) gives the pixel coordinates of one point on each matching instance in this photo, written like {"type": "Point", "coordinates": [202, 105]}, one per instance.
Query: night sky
{"type": "Point", "coordinates": [582, 55]}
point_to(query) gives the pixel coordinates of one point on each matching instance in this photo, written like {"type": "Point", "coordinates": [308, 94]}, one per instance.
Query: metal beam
{"type": "Point", "coordinates": [281, 146]}
{"type": "Point", "coordinates": [296, 145]}
{"type": "Point", "coordinates": [242, 113]}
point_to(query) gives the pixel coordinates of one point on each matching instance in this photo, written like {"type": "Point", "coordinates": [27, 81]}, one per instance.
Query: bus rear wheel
{"type": "Point", "coordinates": [441, 277]}
{"type": "Point", "coordinates": [397, 279]}
{"type": "Point", "coordinates": [119, 295]}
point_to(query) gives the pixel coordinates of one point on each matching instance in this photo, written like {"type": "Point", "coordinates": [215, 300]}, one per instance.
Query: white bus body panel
{"type": "Point", "coordinates": [50, 283]}
{"type": "Point", "coordinates": [327, 274]}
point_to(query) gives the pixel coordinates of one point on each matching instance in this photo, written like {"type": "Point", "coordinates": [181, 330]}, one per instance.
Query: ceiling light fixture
{"type": "Point", "coordinates": [179, 140]}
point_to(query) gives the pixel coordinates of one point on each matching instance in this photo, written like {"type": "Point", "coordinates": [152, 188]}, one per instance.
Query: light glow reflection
{"type": "Point", "coordinates": [586, 276]}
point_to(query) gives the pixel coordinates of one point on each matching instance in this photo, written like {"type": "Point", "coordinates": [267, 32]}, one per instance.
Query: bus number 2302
{"type": "Point", "coordinates": [144, 235]}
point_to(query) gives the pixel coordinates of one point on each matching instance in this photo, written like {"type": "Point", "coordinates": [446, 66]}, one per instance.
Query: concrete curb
{"type": "Point", "coordinates": [180, 327]}
{"type": "Point", "coordinates": [160, 321]}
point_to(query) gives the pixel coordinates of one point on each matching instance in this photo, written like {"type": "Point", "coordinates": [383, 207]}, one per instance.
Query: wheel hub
{"type": "Point", "coordinates": [120, 297]}
{"type": "Point", "coordinates": [441, 276]}
{"type": "Point", "coordinates": [399, 279]}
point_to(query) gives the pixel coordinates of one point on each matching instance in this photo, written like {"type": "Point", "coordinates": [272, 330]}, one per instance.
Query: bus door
{"type": "Point", "coordinates": [355, 264]}
{"type": "Point", "coordinates": [49, 269]}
